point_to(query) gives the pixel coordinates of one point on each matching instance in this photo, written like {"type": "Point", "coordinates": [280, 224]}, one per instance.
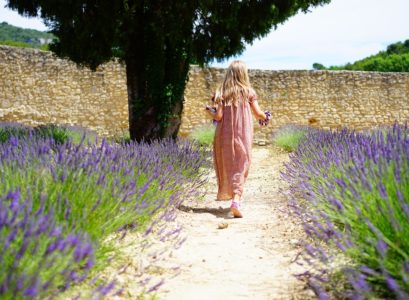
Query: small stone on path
{"type": "Point", "coordinates": [222, 225]}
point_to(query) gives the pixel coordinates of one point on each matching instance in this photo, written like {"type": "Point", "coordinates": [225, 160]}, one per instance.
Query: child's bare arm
{"type": "Point", "coordinates": [219, 113]}
{"type": "Point", "coordinates": [258, 113]}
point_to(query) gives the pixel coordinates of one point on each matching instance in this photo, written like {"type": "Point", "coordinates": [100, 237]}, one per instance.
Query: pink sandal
{"type": "Point", "coordinates": [235, 209]}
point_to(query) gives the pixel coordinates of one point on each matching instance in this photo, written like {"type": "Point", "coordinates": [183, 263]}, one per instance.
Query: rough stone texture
{"type": "Point", "coordinates": [36, 87]}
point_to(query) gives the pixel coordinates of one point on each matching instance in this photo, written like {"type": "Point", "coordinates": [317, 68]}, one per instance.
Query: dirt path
{"type": "Point", "coordinates": [252, 257]}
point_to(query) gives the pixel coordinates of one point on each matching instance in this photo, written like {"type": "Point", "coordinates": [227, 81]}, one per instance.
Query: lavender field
{"type": "Point", "coordinates": [351, 190]}
{"type": "Point", "coordinates": [59, 200]}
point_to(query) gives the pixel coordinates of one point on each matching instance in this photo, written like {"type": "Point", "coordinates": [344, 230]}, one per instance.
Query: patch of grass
{"type": "Point", "coordinates": [203, 134]}
{"type": "Point", "coordinates": [121, 138]}
{"type": "Point", "coordinates": [23, 45]}
{"type": "Point", "coordinates": [80, 135]}
{"type": "Point", "coordinates": [289, 137]}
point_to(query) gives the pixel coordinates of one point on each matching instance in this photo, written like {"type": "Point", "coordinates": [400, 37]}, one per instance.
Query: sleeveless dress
{"type": "Point", "coordinates": [232, 147]}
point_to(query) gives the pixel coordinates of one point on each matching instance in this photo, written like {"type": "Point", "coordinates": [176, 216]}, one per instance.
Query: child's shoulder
{"type": "Point", "coordinates": [252, 91]}
{"type": "Point", "coordinates": [252, 95]}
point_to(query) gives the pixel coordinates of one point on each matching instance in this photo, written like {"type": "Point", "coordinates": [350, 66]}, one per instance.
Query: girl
{"type": "Point", "coordinates": [235, 100]}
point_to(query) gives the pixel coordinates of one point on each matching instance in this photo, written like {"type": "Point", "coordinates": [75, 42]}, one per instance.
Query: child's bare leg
{"type": "Point", "coordinates": [235, 206]}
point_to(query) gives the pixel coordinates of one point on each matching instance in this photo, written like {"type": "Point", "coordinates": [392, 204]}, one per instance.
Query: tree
{"type": "Point", "coordinates": [318, 66]}
{"type": "Point", "coordinates": [394, 59]}
{"type": "Point", "coordinates": [157, 39]}
{"type": "Point", "coordinates": [20, 37]}
{"type": "Point", "coordinates": [398, 48]}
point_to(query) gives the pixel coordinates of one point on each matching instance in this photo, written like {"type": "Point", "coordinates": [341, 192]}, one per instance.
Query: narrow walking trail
{"type": "Point", "coordinates": [248, 258]}
{"type": "Point", "coordinates": [252, 258]}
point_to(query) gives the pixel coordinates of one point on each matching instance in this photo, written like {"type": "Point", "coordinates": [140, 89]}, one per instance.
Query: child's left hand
{"type": "Point", "coordinates": [266, 120]}
{"type": "Point", "coordinates": [211, 109]}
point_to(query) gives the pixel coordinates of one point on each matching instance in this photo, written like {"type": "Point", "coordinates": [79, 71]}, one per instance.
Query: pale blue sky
{"type": "Point", "coordinates": [340, 32]}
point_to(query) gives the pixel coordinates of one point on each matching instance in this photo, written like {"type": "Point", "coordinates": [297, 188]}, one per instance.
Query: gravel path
{"type": "Point", "coordinates": [249, 259]}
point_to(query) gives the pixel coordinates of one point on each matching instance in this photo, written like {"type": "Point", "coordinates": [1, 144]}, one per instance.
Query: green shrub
{"type": "Point", "coordinates": [13, 129]}
{"type": "Point", "coordinates": [58, 133]}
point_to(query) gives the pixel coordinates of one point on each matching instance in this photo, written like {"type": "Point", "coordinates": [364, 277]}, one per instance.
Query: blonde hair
{"type": "Point", "coordinates": [236, 84]}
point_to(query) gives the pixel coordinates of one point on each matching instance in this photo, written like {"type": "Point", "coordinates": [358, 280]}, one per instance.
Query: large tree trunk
{"type": "Point", "coordinates": [175, 121]}
{"type": "Point", "coordinates": [157, 65]}
{"type": "Point", "coordinates": [155, 108]}
{"type": "Point", "coordinates": [143, 123]}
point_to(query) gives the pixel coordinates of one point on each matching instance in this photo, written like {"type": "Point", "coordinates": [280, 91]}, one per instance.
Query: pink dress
{"type": "Point", "coordinates": [232, 147]}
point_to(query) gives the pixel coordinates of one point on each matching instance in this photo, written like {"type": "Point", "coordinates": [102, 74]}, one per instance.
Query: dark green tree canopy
{"type": "Point", "coordinates": [92, 32]}
{"type": "Point", "coordinates": [157, 39]}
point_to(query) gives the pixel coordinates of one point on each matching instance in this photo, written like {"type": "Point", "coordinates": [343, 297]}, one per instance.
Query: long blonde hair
{"type": "Point", "coordinates": [236, 84]}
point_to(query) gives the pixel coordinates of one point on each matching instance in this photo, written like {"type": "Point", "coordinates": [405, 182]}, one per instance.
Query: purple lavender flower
{"type": "Point", "coordinates": [105, 289]}
{"type": "Point", "coordinates": [29, 232]}
{"type": "Point", "coordinates": [382, 247]}
{"type": "Point", "coordinates": [359, 183]}
{"type": "Point", "coordinates": [78, 191]}
{"type": "Point", "coordinates": [32, 290]}
{"type": "Point", "coordinates": [393, 285]}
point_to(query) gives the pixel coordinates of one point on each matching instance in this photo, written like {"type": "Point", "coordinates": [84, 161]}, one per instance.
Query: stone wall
{"type": "Point", "coordinates": [326, 99]}
{"type": "Point", "coordinates": [36, 88]}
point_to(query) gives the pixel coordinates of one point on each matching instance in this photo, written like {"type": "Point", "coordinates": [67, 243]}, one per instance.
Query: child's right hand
{"type": "Point", "coordinates": [266, 120]}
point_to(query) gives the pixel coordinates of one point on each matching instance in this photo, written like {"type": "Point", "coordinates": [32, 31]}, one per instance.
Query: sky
{"type": "Point", "coordinates": [334, 34]}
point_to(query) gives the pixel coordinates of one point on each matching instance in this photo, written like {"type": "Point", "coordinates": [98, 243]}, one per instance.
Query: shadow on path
{"type": "Point", "coordinates": [223, 213]}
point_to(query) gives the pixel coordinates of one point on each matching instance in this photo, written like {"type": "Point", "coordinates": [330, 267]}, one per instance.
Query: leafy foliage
{"type": "Point", "coordinates": [25, 38]}
{"type": "Point", "coordinates": [394, 59]}
{"type": "Point", "coordinates": [318, 66]}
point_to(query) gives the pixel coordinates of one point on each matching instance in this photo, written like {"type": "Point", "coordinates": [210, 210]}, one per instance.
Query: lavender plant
{"type": "Point", "coordinates": [352, 191]}
{"type": "Point", "coordinates": [59, 133]}
{"type": "Point", "coordinates": [95, 190]}
{"type": "Point", "coordinates": [37, 253]}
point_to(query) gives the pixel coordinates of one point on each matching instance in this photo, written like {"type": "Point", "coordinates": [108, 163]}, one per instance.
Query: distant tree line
{"type": "Point", "coordinates": [27, 38]}
{"type": "Point", "coordinates": [394, 59]}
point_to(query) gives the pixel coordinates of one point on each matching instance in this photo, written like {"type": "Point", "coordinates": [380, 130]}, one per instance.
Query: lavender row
{"type": "Point", "coordinates": [352, 192]}
{"type": "Point", "coordinates": [37, 253]}
{"type": "Point", "coordinates": [84, 193]}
